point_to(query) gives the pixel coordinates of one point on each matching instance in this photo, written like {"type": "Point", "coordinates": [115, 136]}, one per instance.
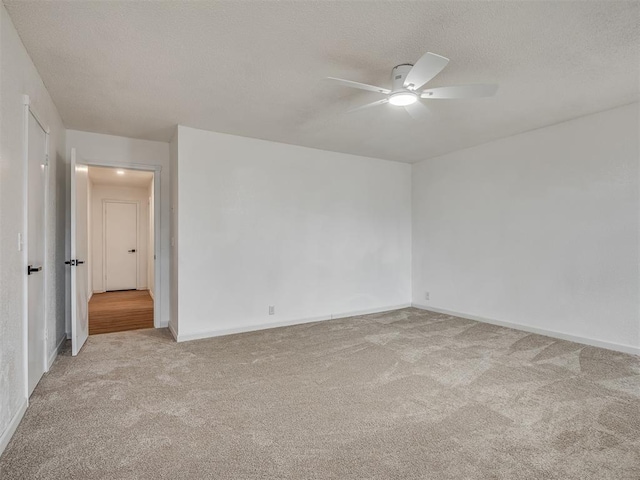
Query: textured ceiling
{"type": "Point", "coordinates": [108, 176]}
{"type": "Point", "coordinates": [256, 68]}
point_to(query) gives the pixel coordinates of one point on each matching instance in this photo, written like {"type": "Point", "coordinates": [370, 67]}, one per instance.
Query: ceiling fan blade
{"type": "Point", "coordinates": [369, 105]}
{"type": "Point", "coordinates": [461, 91]}
{"type": "Point", "coordinates": [361, 86]}
{"type": "Point", "coordinates": [424, 70]}
{"type": "Point", "coordinates": [418, 111]}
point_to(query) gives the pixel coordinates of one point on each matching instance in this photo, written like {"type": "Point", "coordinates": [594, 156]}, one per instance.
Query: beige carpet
{"type": "Point", "coordinates": [401, 395]}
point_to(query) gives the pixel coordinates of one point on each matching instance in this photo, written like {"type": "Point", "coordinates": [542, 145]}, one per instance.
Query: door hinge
{"type": "Point", "coordinates": [46, 160]}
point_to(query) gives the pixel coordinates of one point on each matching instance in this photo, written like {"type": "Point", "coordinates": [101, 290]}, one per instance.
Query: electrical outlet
{"type": "Point", "coordinates": [272, 310]}
{"type": "Point", "coordinates": [426, 295]}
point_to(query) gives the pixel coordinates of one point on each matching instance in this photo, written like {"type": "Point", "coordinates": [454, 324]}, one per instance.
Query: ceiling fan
{"type": "Point", "coordinates": [407, 81]}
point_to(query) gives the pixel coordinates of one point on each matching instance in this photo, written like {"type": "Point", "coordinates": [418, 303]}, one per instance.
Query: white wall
{"type": "Point", "coordinates": [18, 76]}
{"type": "Point", "coordinates": [315, 233]}
{"type": "Point", "coordinates": [539, 229]}
{"type": "Point", "coordinates": [111, 192]}
{"type": "Point", "coordinates": [109, 150]}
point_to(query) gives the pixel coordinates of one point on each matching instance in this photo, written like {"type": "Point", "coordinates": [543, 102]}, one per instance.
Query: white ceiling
{"type": "Point", "coordinates": [256, 68]}
{"type": "Point", "coordinates": [131, 178]}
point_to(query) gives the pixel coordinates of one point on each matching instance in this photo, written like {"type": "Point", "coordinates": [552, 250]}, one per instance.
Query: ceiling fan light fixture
{"type": "Point", "coordinates": [402, 99]}
{"type": "Point", "coordinates": [407, 86]}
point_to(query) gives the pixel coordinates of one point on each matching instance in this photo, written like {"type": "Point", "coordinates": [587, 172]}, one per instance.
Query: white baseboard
{"type": "Point", "coordinates": [13, 425]}
{"type": "Point", "coordinates": [173, 331]}
{"type": "Point", "coordinates": [90, 295]}
{"type": "Point", "coordinates": [355, 313]}
{"type": "Point", "coordinates": [54, 354]}
{"type": "Point", "coordinates": [540, 331]}
{"type": "Point", "coordinates": [265, 326]}
{"type": "Point", "coordinates": [151, 294]}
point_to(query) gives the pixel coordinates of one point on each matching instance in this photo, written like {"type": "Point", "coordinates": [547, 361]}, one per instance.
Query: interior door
{"type": "Point", "coordinates": [79, 254]}
{"type": "Point", "coordinates": [121, 245]}
{"type": "Point", "coordinates": [36, 165]}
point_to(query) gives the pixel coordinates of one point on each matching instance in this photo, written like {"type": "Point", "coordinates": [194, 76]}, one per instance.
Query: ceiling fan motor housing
{"type": "Point", "coordinates": [398, 74]}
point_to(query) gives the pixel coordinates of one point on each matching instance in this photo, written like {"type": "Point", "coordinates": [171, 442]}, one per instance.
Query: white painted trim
{"type": "Point", "coordinates": [90, 295]}
{"type": "Point", "coordinates": [45, 261]}
{"type": "Point", "coordinates": [29, 111]}
{"type": "Point", "coordinates": [27, 102]}
{"type": "Point", "coordinates": [56, 351]}
{"type": "Point", "coordinates": [286, 323]}
{"type": "Point", "coordinates": [540, 331]}
{"type": "Point", "coordinates": [158, 322]}
{"type": "Point", "coordinates": [173, 331]}
{"type": "Point", "coordinates": [25, 247]}
{"type": "Point", "coordinates": [368, 311]}
{"type": "Point", "coordinates": [151, 294]}
{"type": "Point", "coordinates": [13, 425]}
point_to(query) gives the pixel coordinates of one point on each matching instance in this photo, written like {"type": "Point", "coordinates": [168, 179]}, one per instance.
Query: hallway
{"type": "Point", "coordinates": [119, 311]}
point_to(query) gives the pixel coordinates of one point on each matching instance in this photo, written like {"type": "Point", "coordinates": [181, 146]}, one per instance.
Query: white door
{"type": "Point", "coordinates": [121, 245]}
{"type": "Point", "coordinates": [79, 254]}
{"type": "Point", "coordinates": [36, 165]}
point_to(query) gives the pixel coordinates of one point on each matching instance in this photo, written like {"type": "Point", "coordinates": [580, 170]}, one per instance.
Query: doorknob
{"type": "Point", "coordinates": [132, 251]}
{"type": "Point", "coordinates": [31, 269]}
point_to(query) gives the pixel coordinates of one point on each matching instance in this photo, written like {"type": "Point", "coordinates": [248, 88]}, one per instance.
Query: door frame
{"type": "Point", "coordinates": [104, 240]}
{"type": "Point", "coordinates": [157, 215]}
{"type": "Point", "coordinates": [23, 241]}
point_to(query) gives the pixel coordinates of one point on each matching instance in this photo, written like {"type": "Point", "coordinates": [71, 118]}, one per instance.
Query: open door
{"type": "Point", "coordinates": [79, 253]}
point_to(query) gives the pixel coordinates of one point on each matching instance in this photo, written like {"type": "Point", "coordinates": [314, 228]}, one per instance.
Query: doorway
{"type": "Point", "coordinates": [121, 249]}
{"type": "Point", "coordinates": [34, 248]}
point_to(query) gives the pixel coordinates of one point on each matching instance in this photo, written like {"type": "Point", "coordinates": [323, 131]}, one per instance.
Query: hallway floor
{"type": "Point", "coordinates": [119, 311]}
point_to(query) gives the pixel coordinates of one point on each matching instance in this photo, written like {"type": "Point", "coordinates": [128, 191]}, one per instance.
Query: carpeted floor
{"type": "Point", "coordinates": [401, 395]}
